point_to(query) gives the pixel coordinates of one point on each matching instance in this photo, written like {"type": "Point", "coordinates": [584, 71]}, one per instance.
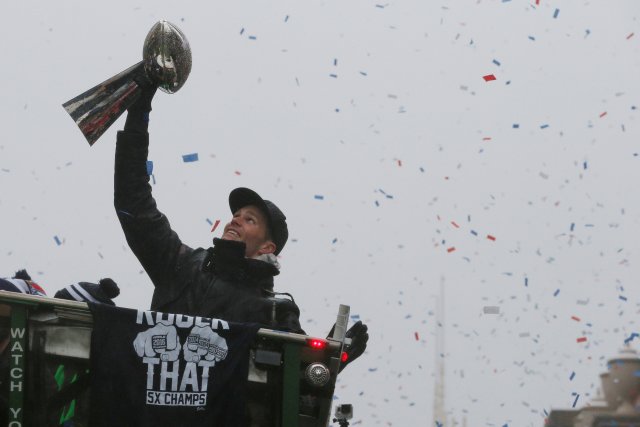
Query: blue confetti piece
{"type": "Point", "coordinates": [526, 281]}
{"type": "Point", "coordinates": [573, 374]}
{"type": "Point", "coordinates": [363, 73]}
{"type": "Point", "coordinates": [495, 61]}
{"type": "Point", "coordinates": [209, 221]}
{"type": "Point", "coordinates": [515, 126]}
{"type": "Point", "coordinates": [388, 196]}
{"type": "Point", "coordinates": [149, 167]}
{"type": "Point", "coordinates": [555, 14]}
{"type": "Point", "coordinates": [355, 317]}
{"type": "Point", "coordinates": [576, 401]}
{"type": "Point", "coordinates": [335, 62]}
{"type": "Point", "coordinates": [623, 298]}
{"type": "Point", "coordinates": [187, 158]}
{"type": "Point", "coordinates": [252, 37]}
{"type": "Point", "coordinates": [57, 240]}
{"type": "Point", "coordinates": [318, 197]}
{"type": "Point", "coordinates": [377, 203]}
{"type": "Point", "coordinates": [532, 38]}
{"type": "Point", "coordinates": [421, 169]}
{"type": "Point", "coordinates": [475, 233]}
{"type": "Point", "coordinates": [380, 6]}
{"type": "Point", "coordinates": [373, 369]}
{"type": "Point", "coordinates": [335, 76]}
{"type": "Point", "coordinates": [334, 241]}
{"type": "Point", "coordinates": [286, 18]}
{"type": "Point", "coordinates": [584, 165]}
{"type": "Point", "coordinates": [545, 412]}
{"type": "Point", "coordinates": [631, 337]}
{"type": "Point", "coordinates": [544, 126]}
{"type": "Point", "coordinates": [589, 225]}
{"type": "Point", "coordinates": [555, 294]}
{"type": "Point", "coordinates": [242, 31]}
{"type": "Point", "coordinates": [573, 226]}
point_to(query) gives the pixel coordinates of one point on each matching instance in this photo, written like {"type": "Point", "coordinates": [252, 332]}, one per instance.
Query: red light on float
{"type": "Point", "coordinates": [344, 356]}
{"type": "Point", "coordinates": [317, 344]}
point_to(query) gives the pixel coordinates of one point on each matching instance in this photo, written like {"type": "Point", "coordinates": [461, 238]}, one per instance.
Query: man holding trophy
{"type": "Point", "coordinates": [233, 280]}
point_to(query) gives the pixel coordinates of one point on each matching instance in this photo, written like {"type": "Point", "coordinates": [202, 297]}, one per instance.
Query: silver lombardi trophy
{"type": "Point", "coordinates": [166, 61]}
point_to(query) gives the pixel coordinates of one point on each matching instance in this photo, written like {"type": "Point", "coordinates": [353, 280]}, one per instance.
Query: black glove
{"type": "Point", "coordinates": [138, 112]}
{"type": "Point", "coordinates": [359, 337]}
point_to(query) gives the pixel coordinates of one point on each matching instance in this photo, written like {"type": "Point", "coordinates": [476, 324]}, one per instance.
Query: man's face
{"type": "Point", "coordinates": [249, 225]}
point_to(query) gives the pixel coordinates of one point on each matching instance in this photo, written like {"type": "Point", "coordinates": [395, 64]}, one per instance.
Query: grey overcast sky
{"type": "Point", "coordinates": [396, 162]}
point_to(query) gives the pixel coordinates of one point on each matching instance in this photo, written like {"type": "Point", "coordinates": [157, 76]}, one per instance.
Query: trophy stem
{"type": "Point", "coordinates": [96, 109]}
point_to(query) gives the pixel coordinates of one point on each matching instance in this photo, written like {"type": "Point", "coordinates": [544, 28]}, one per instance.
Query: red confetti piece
{"type": "Point", "coordinates": [237, 172]}
{"type": "Point", "coordinates": [399, 162]}
{"type": "Point", "coordinates": [454, 224]}
{"type": "Point", "coordinates": [629, 36]}
{"type": "Point", "coordinates": [451, 249]}
{"type": "Point", "coordinates": [490, 237]}
{"type": "Point", "coordinates": [537, 2]}
{"type": "Point", "coordinates": [581, 339]}
{"type": "Point", "coordinates": [603, 114]}
{"type": "Point", "coordinates": [417, 337]}
{"type": "Point", "coordinates": [577, 319]}
{"type": "Point", "coordinates": [215, 225]}
{"type": "Point", "coordinates": [486, 138]}
{"type": "Point", "coordinates": [489, 77]}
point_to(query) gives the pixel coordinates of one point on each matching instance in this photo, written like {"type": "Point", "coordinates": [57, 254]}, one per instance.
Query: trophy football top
{"type": "Point", "coordinates": [167, 56]}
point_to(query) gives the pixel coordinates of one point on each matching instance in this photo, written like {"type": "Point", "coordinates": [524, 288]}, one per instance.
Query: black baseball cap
{"type": "Point", "coordinates": [241, 197]}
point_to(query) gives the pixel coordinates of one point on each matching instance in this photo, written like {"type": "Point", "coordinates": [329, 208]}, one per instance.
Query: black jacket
{"type": "Point", "coordinates": [218, 282]}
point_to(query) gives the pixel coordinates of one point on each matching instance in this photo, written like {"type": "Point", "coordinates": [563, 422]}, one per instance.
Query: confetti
{"type": "Point", "coordinates": [526, 281]}
{"type": "Point", "coordinates": [581, 339]}
{"type": "Point", "coordinates": [318, 197]}
{"type": "Point", "coordinates": [489, 77]}
{"type": "Point", "coordinates": [286, 18]}
{"type": "Point", "coordinates": [187, 158]}
{"type": "Point", "coordinates": [475, 233]}
{"type": "Point", "coordinates": [238, 173]}
{"type": "Point", "coordinates": [491, 309]}
{"type": "Point", "coordinates": [555, 294]}
{"type": "Point", "coordinates": [515, 126]}
{"type": "Point", "coordinates": [631, 337]}
{"type": "Point", "coordinates": [335, 76]}
{"type": "Point", "coordinates": [399, 162]}
{"type": "Point", "coordinates": [629, 36]}
{"type": "Point", "coordinates": [252, 37]}
{"type": "Point", "coordinates": [532, 38]}
{"type": "Point", "coordinates": [451, 249]}
{"type": "Point", "coordinates": [242, 31]}
{"type": "Point", "coordinates": [454, 224]}
{"type": "Point", "coordinates": [149, 167]}
{"type": "Point", "coordinates": [544, 126]}
{"type": "Point", "coordinates": [577, 319]}
{"type": "Point", "coordinates": [623, 298]}
{"type": "Point", "coordinates": [57, 240]}
{"type": "Point", "coordinates": [555, 14]}
{"type": "Point", "coordinates": [495, 61]}
{"type": "Point", "coordinates": [575, 401]}
{"type": "Point", "coordinates": [490, 237]}
{"type": "Point", "coordinates": [215, 225]}
{"type": "Point", "coordinates": [334, 240]}
{"type": "Point", "coordinates": [573, 374]}
{"type": "Point", "coordinates": [417, 336]}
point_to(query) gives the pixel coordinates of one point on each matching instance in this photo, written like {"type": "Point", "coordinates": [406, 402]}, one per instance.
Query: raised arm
{"type": "Point", "coordinates": [147, 230]}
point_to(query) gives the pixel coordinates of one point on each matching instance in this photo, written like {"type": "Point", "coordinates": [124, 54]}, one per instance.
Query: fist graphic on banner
{"type": "Point", "coordinates": [203, 342]}
{"type": "Point", "coordinates": [160, 341]}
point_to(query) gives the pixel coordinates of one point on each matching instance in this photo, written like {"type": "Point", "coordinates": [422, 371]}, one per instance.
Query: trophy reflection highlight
{"type": "Point", "coordinates": [166, 63]}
